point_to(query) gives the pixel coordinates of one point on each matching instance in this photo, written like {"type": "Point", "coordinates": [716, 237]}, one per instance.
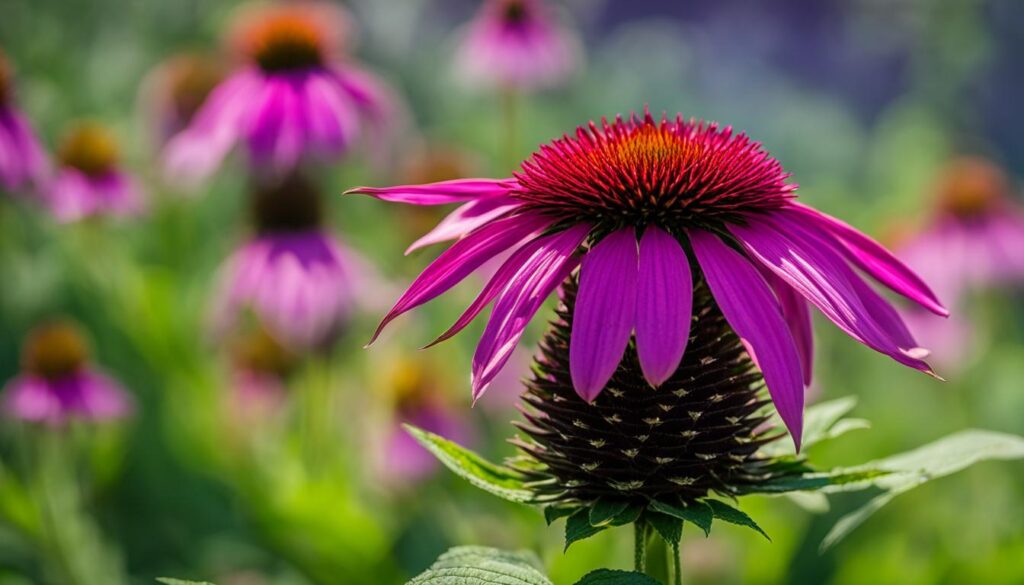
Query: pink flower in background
{"type": "Point", "coordinates": [638, 204]}
{"type": "Point", "coordinates": [300, 281]}
{"type": "Point", "coordinates": [293, 96]}
{"type": "Point", "coordinates": [59, 384]}
{"type": "Point", "coordinates": [260, 366]}
{"type": "Point", "coordinates": [974, 242]}
{"type": "Point", "coordinates": [89, 180]}
{"type": "Point", "coordinates": [517, 45]}
{"type": "Point", "coordinates": [22, 160]}
{"type": "Point", "coordinates": [175, 90]}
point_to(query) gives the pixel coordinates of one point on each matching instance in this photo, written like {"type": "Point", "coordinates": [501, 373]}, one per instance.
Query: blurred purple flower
{"type": "Point", "coordinates": [650, 197]}
{"type": "Point", "coordinates": [975, 241]}
{"type": "Point", "coordinates": [23, 163]}
{"type": "Point", "coordinates": [516, 45]}
{"type": "Point", "coordinates": [294, 96]}
{"type": "Point", "coordinates": [174, 90]}
{"type": "Point", "coordinates": [300, 281]}
{"type": "Point", "coordinates": [260, 366]}
{"type": "Point", "coordinates": [89, 181]}
{"type": "Point", "coordinates": [59, 384]}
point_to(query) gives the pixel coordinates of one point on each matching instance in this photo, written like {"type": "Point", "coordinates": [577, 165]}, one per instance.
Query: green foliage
{"type": "Point", "coordinates": [473, 565]}
{"type": "Point", "coordinates": [610, 577]}
{"type": "Point", "coordinates": [699, 513]}
{"type": "Point", "coordinates": [501, 481]}
{"type": "Point", "coordinates": [171, 581]}
{"type": "Point", "coordinates": [732, 515]}
{"type": "Point", "coordinates": [578, 527]}
{"type": "Point", "coordinates": [669, 527]}
{"type": "Point", "coordinates": [605, 511]}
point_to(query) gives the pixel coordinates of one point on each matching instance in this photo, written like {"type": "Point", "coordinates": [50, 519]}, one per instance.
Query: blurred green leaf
{"type": "Point", "coordinates": [699, 513]}
{"type": "Point", "coordinates": [732, 515]}
{"type": "Point", "coordinates": [578, 527]}
{"type": "Point", "coordinates": [473, 565]}
{"type": "Point", "coordinates": [170, 581]}
{"type": "Point", "coordinates": [913, 468]}
{"type": "Point", "coordinates": [501, 481]}
{"type": "Point", "coordinates": [822, 422]}
{"type": "Point", "coordinates": [611, 577]}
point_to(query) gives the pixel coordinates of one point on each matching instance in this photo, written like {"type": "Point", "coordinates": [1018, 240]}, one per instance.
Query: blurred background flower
{"type": "Point", "coordinates": [22, 161]}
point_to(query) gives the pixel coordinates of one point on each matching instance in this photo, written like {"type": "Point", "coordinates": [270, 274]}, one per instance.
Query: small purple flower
{"type": "Point", "coordinates": [89, 181]}
{"type": "Point", "coordinates": [293, 97]}
{"type": "Point", "coordinates": [974, 242]}
{"type": "Point", "coordinates": [516, 45]}
{"type": "Point", "coordinates": [22, 160]}
{"type": "Point", "coordinates": [301, 282]}
{"type": "Point", "coordinates": [58, 384]}
{"type": "Point", "coordinates": [645, 209]}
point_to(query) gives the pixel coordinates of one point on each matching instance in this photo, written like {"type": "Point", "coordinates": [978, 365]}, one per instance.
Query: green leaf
{"type": "Point", "coordinates": [913, 468]}
{"type": "Point", "coordinates": [822, 422]}
{"type": "Point", "coordinates": [699, 513]}
{"type": "Point", "coordinates": [552, 513]}
{"type": "Point", "coordinates": [628, 516]}
{"type": "Point", "coordinates": [475, 565]}
{"type": "Point", "coordinates": [170, 581]}
{"type": "Point", "coordinates": [604, 511]}
{"type": "Point", "coordinates": [496, 479]}
{"type": "Point", "coordinates": [669, 527]}
{"type": "Point", "coordinates": [610, 577]}
{"type": "Point", "coordinates": [830, 481]}
{"type": "Point", "coordinates": [578, 527]}
{"type": "Point", "coordinates": [732, 515]}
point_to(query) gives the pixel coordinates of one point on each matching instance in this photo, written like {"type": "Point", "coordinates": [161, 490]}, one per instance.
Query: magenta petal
{"type": "Point", "coordinates": [798, 317]}
{"type": "Point", "coordinates": [463, 257]}
{"type": "Point", "coordinates": [605, 312]}
{"type": "Point", "coordinates": [664, 305]}
{"type": "Point", "coordinates": [520, 300]}
{"type": "Point", "coordinates": [455, 191]}
{"type": "Point", "coordinates": [753, 313]}
{"type": "Point", "coordinates": [465, 219]}
{"type": "Point", "coordinates": [873, 258]}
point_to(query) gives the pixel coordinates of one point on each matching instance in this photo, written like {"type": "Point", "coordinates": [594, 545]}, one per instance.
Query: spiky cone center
{"type": "Point", "coordinates": [284, 40]}
{"type": "Point", "coordinates": [697, 434]}
{"type": "Point", "coordinates": [54, 350]}
{"type": "Point", "coordinates": [289, 204]}
{"type": "Point", "coordinates": [673, 173]}
{"type": "Point", "coordinates": [971, 187]}
{"type": "Point", "coordinates": [90, 148]}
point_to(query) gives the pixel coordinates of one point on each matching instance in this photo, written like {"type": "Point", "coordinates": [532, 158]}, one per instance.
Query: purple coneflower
{"type": "Point", "coordinates": [516, 45]}
{"type": "Point", "coordinates": [299, 280]}
{"type": "Point", "coordinates": [22, 161]}
{"type": "Point", "coordinates": [89, 181]}
{"type": "Point", "coordinates": [174, 91]}
{"type": "Point", "coordinates": [649, 210]}
{"type": "Point", "coordinates": [974, 241]}
{"type": "Point", "coordinates": [293, 95]}
{"type": "Point", "coordinates": [260, 366]}
{"type": "Point", "coordinates": [59, 384]}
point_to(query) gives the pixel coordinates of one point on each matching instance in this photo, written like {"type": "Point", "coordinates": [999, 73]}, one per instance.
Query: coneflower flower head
{"type": "Point", "coordinates": [176, 89]}
{"type": "Point", "coordinates": [22, 161]}
{"type": "Point", "coordinates": [516, 45]}
{"type": "Point", "coordinates": [648, 208]}
{"type": "Point", "coordinates": [58, 383]}
{"type": "Point", "coordinates": [260, 366]}
{"type": "Point", "coordinates": [293, 97]}
{"type": "Point", "coordinates": [90, 180]}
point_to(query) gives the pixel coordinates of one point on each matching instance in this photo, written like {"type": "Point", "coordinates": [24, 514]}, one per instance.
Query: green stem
{"type": "Point", "coordinates": [677, 565]}
{"type": "Point", "coordinates": [640, 546]}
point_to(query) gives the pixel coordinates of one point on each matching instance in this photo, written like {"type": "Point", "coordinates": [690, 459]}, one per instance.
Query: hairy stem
{"type": "Point", "coordinates": [640, 546]}
{"type": "Point", "coordinates": [677, 565]}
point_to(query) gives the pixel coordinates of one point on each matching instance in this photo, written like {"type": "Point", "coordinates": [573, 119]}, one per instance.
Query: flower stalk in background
{"type": "Point", "coordinates": [300, 281]}
{"type": "Point", "coordinates": [90, 181]}
{"type": "Point", "coordinates": [22, 160]}
{"type": "Point", "coordinates": [649, 211]}
{"type": "Point", "coordinates": [59, 384]}
{"type": "Point", "coordinates": [294, 95]}
{"type": "Point", "coordinates": [974, 241]}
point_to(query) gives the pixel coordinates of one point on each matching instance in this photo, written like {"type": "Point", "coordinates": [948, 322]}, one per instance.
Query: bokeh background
{"type": "Point", "coordinates": [864, 101]}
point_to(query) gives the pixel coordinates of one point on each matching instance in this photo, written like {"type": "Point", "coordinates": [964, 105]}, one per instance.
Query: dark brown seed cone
{"type": "Point", "coordinates": [696, 434]}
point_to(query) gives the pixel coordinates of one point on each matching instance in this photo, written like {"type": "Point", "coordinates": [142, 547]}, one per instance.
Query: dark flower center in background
{"type": "Point", "coordinates": [514, 11]}
{"type": "Point", "coordinates": [411, 387]}
{"type": "Point", "coordinates": [291, 204]}
{"type": "Point", "coordinates": [55, 350]}
{"type": "Point", "coordinates": [972, 186]}
{"type": "Point", "coordinates": [90, 148]}
{"type": "Point", "coordinates": [671, 173]}
{"type": "Point", "coordinates": [698, 433]}
{"type": "Point", "coordinates": [285, 42]}
{"type": "Point", "coordinates": [259, 352]}
{"type": "Point", "coordinates": [192, 78]}
{"type": "Point", "coordinates": [5, 79]}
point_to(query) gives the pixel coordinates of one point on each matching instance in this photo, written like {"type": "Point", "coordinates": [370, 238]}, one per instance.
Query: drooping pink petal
{"type": "Point", "coordinates": [520, 300]}
{"type": "Point", "coordinates": [605, 312]}
{"type": "Point", "coordinates": [463, 257]}
{"type": "Point", "coordinates": [465, 219]}
{"type": "Point", "coordinates": [527, 253]}
{"type": "Point", "coordinates": [815, 269]}
{"type": "Point", "coordinates": [873, 258]}
{"type": "Point", "coordinates": [440, 193]}
{"type": "Point", "coordinates": [798, 317]}
{"type": "Point", "coordinates": [664, 305]}
{"type": "Point", "coordinates": [755, 316]}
